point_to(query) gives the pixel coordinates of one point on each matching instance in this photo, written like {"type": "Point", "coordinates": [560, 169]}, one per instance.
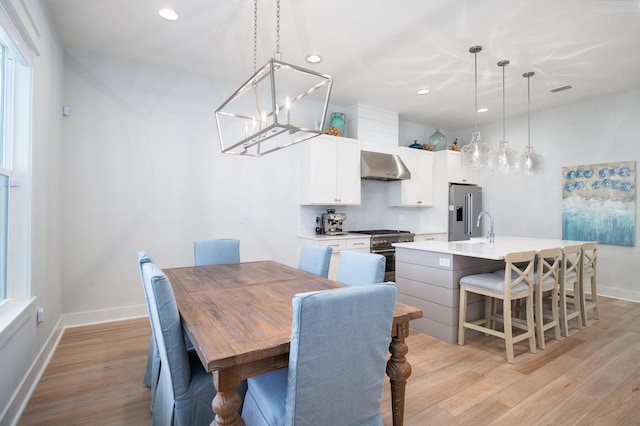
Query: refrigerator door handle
{"type": "Point", "coordinates": [468, 205]}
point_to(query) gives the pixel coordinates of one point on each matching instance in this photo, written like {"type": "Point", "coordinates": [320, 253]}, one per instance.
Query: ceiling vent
{"type": "Point", "coordinates": [560, 89]}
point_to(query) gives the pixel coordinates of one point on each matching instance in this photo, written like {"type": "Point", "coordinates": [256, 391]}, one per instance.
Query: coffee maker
{"type": "Point", "coordinates": [332, 222]}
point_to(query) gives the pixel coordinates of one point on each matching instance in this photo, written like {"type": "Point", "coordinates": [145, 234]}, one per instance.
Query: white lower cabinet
{"type": "Point", "coordinates": [417, 191]}
{"type": "Point", "coordinates": [337, 244]}
{"type": "Point", "coordinates": [330, 171]}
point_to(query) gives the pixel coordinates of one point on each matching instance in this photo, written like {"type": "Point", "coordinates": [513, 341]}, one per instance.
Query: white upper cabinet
{"type": "Point", "coordinates": [449, 167]}
{"type": "Point", "coordinates": [330, 171]}
{"type": "Point", "coordinates": [417, 191]}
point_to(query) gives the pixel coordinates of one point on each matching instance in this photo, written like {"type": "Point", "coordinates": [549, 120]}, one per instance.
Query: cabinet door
{"type": "Point", "coordinates": [455, 172]}
{"type": "Point", "coordinates": [348, 172]}
{"type": "Point", "coordinates": [319, 171]}
{"type": "Point", "coordinates": [417, 191]}
{"type": "Point", "coordinates": [454, 166]}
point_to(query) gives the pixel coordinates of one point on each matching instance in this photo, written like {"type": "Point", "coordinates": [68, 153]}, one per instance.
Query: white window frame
{"type": "Point", "coordinates": [18, 98]}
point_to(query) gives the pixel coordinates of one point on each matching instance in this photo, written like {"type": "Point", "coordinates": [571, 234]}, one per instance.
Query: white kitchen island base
{"type": "Point", "coordinates": [429, 281]}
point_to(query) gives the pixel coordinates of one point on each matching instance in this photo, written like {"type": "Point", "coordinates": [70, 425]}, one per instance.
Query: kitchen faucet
{"type": "Point", "coordinates": [490, 235]}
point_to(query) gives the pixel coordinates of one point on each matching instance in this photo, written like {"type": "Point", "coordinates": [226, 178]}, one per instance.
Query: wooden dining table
{"type": "Point", "coordinates": [238, 317]}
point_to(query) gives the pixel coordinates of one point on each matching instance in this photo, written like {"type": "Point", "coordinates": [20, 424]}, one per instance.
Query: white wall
{"type": "Point", "coordinates": [143, 170]}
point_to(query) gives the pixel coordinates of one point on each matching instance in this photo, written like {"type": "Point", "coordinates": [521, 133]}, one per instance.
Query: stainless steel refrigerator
{"type": "Point", "coordinates": [465, 204]}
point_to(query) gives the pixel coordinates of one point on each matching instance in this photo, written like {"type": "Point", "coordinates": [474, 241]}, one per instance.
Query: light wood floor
{"type": "Point", "coordinates": [590, 378]}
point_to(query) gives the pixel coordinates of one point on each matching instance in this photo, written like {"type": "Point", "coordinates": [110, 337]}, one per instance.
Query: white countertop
{"type": "Point", "coordinates": [480, 247]}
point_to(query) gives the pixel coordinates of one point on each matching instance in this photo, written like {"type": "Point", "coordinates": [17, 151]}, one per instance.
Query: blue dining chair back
{"type": "Point", "coordinates": [315, 258]}
{"type": "Point", "coordinates": [152, 370]}
{"type": "Point", "coordinates": [337, 361]}
{"type": "Point", "coordinates": [215, 252]}
{"type": "Point", "coordinates": [357, 268]}
{"type": "Point", "coordinates": [185, 390]}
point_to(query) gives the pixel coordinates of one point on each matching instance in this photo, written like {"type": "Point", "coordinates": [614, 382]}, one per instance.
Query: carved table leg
{"type": "Point", "coordinates": [398, 370]}
{"type": "Point", "coordinates": [226, 402]}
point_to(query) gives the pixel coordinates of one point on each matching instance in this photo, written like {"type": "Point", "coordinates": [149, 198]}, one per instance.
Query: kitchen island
{"type": "Point", "coordinates": [428, 275]}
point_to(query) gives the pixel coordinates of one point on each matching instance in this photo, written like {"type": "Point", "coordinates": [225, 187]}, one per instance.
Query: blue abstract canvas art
{"type": "Point", "coordinates": [599, 203]}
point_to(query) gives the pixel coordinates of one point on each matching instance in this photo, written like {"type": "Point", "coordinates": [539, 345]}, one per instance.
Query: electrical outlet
{"type": "Point", "coordinates": [40, 315]}
{"type": "Point", "coordinates": [443, 261]}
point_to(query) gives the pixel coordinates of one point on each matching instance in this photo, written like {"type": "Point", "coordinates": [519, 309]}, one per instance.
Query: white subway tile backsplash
{"type": "Point", "coordinates": [372, 213]}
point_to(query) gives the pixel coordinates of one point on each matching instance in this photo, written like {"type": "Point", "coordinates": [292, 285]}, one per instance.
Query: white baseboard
{"type": "Point", "coordinates": [617, 293]}
{"type": "Point", "coordinates": [22, 395]}
{"type": "Point", "coordinates": [79, 319]}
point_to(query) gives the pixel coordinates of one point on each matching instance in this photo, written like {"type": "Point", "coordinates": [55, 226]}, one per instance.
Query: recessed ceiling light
{"type": "Point", "coordinates": [422, 91]}
{"type": "Point", "coordinates": [314, 59]}
{"type": "Point", "coordinates": [483, 109]}
{"type": "Point", "coordinates": [168, 14]}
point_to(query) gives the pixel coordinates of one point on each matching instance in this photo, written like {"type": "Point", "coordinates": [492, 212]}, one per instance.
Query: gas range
{"type": "Point", "coordinates": [383, 239]}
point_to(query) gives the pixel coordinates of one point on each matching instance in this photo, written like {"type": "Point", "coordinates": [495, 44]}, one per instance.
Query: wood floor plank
{"type": "Point", "coordinates": [590, 378]}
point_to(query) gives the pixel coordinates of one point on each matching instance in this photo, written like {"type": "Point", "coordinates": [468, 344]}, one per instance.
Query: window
{"type": "Point", "coordinates": [15, 171]}
{"type": "Point", "coordinates": [5, 177]}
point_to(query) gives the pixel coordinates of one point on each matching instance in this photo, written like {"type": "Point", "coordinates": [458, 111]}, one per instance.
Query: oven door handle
{"type": "Point", "coordinates": [384, 251]}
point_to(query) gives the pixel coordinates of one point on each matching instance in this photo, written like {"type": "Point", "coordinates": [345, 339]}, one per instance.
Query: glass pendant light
{"type": "Point", "coordinates": [505, 160]}
{"type": "Point", "coordinates": [531, 163]}
{"type": "Point", "coordinates": [475, 155]}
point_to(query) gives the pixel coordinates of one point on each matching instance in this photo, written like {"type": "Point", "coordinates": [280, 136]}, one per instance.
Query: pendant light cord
{"type": "Point", "coordinates": [503, 64]}
{"type": "Point", "coordinates": [504, 132]}
{"type": "Point", "coordinates": [528, 112]}
{"type": "Point", "coordinates": [528, 76]}
{"type": "Point", "coordinates": [475, 50]}
{"type": "Point", "coordinates": [277, 53]}
{"type": "Point", "coordinates": [255, 33]}
{"type": "Point", "coordinates": [475, 72]}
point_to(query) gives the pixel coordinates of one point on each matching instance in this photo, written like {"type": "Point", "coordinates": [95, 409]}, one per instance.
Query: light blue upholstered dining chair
{"type": "Point", "coordinates": [358, 268]}
{"type": "Point", "coordinates": [215, 252]}
{"type": "Point", "coordinates": [152, 371]}
{"type": "Point", "coordinates": [185, 390]}
{"type": "Point", "coordinates": [315, 258]}
{"type": "Point", "coordinates": [339, 345]}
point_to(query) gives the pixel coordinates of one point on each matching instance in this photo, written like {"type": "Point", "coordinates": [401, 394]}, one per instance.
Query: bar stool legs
{"type": "Point", "coordinates": [570, 304]}
{"type": "Point", "coordinates": [547, 280]}
{"type": "Point", "coordinates": [588, 277]}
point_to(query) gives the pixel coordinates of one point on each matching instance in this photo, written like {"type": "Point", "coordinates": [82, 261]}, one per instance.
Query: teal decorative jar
{"type": "Point", "coordinates": [438, 141]}
{"type": "Point", "coordinates": [337, 120]}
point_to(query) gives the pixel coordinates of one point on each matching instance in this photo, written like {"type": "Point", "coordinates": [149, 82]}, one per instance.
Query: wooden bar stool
{"type": "Point", "coordinates": [516, 284]}
{"type": "Point", "coordinates": [546, 279]}
{"type": "Point", "coordinates": [570, 305]}
{"type": "Point", "coordinates": [588, 275]}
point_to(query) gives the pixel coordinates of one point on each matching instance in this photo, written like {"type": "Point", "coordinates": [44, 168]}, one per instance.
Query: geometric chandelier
{"type": "Point", "coordinates": [277, 107]}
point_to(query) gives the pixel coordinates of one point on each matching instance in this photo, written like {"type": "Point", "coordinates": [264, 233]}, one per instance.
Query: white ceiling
{"type": "Point", "coordinates": [381, 52]}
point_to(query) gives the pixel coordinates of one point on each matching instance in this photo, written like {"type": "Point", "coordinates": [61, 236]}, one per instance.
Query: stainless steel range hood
{"type": "Point", "coordinates": [381, 166]}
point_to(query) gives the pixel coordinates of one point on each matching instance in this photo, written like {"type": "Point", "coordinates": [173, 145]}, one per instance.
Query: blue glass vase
{"type": "Point", "coordinates": [438, 141]}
